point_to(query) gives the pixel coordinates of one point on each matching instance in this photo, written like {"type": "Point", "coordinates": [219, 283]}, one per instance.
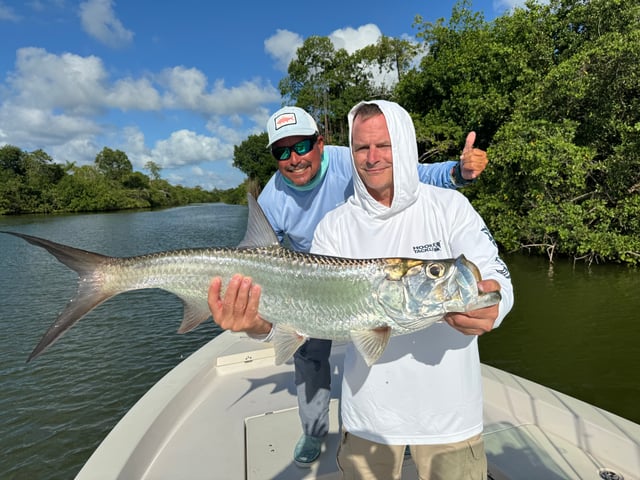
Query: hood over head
{"type": "Point", "coordinates": [405, 160]}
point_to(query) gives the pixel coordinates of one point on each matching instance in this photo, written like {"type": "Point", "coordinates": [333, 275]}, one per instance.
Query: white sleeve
{"type": "Point", "coordinates": [265, 337]}
{"type": "Point", "coordinates": [473, 238]}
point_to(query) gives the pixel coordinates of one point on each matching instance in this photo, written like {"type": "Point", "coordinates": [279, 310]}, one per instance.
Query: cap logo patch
{"type": "Point", "coordinates": [285, 119]}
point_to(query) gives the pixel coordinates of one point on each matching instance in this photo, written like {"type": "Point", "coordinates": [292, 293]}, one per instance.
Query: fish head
{"type": "Point", "coordinates": [416, 293]}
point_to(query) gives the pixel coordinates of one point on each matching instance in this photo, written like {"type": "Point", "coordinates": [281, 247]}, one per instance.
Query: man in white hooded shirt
{"type": "Point", "coordinates": [425, 391]}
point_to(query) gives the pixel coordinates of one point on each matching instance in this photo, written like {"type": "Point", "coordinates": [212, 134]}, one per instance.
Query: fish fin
{"type": "Point", "coordinates": [81, 261]}
{"type": "Point", "coordinates": [194, 315]}
{"type": "Point", "coordinates": [86, 299]}
{"type": "Point", "coordinates": [371, 343]}
{"type": "Point", "coordinates": [420, 323]}
{"type": "Point", "coordinates": [259, 231]}
{"type": "Point", "coordinates": [90, 292]}
{"type": "Point", "coordinates": [286, 341]}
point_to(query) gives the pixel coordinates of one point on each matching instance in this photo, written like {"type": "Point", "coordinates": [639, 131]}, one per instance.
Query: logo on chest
{"type": "Point", "coordinates": [429, 247]}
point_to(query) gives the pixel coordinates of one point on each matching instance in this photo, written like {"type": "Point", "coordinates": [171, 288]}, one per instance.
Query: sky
{"type": "Point", "coordinates": [178, 84]}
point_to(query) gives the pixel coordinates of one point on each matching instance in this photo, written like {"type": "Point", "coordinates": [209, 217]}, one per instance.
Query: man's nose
{"type": "Point", "coordinates": [295, 158]}
{"type": "Point", "coordinates": [372, 154]}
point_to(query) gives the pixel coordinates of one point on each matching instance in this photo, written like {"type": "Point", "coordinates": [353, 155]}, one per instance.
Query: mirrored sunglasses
{"type": "Point", "coordinates": [301, 148]}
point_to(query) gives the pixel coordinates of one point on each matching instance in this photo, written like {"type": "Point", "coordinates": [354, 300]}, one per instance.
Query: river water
{"type": "Point", "coordinates": [573, 328]}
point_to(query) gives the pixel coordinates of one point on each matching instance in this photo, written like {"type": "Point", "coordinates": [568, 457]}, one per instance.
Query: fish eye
{"type": "Point", "coordinates": [434, 270]}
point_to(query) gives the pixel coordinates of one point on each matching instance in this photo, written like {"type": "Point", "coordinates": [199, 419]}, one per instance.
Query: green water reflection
{"type": "Point", "coordinates": [574, 328]}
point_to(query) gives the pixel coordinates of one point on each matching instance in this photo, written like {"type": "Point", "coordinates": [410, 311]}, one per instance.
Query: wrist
{"type": "Point", "coordinates": [264, 336]}
{"type": "Point", "coordinates": [458, 179]}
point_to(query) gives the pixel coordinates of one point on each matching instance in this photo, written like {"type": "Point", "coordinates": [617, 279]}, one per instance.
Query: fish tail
{"type": "Point", "coordinates": [90, 294]}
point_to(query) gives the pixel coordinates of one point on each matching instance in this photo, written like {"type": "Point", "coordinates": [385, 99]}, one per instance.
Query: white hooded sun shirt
{"type": "Point", "coordinates": [426, 388]}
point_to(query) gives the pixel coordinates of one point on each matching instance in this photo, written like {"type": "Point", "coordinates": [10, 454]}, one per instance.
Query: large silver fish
{"type": "Point", "coordinates": [365, 301]}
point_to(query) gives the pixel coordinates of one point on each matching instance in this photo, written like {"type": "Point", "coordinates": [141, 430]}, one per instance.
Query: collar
{"type": "Point", "coordinates": [324, 165]}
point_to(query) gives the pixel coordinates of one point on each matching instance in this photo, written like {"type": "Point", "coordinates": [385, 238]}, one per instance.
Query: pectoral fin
{"type": "Point", "coordinates": [371, 343]}
{"type": "Point", "coordinates": [194, 314]}
{"type": "Point", "coordinates": [419, 324]}
{"type": "Point", "coordinates": [286, 341]}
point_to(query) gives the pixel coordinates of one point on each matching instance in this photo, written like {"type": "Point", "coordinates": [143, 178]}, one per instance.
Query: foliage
{"type": "Point", "coordinates": [113, 164]}
{"type": "Point", "coordinates": [553, 93]}
{"type": "Point", "coordinates": [472, 75]}
{"type": "Point", "coordinates": [31, 182]}
{"type": "Point", "coordinates": [154, 169]}
{"type": "Point", "coordinates": [328, 82]}
{"type": "Point", "coordinates": [254, 159]}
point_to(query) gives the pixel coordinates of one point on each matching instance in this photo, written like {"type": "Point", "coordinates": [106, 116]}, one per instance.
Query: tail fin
{"type": "Point", "coordinates": [90, 292]}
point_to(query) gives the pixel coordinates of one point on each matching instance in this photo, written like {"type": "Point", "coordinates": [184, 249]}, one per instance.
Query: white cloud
{"type": "Point", "coordinates": [188, 88]}
{"type": "Point", "coordinates": [186, 158]}
{"type": "Point", "coordinates": [133, 94]}
{"type": "Point", "coordinates": [68, 104]}
{"type": "Point", "coordinates": [7, 13]}
{"type": "Point", "coordinates": [80, 149]}
{"type": "Point", "coordinates": [66, 81]}
{"type": "Point", "coordinates": [134, 146]}
{"type": "Point", "coordinates": [354, 39]}
{"type": "Point", "coordinates": [282, 47]}
{"type": "Point", "coordinates": [31, 128]}
{"type": "Point", "coordinates": [80, 85]}
{"type": "Point", "coordinates": [185, 147]}
{"type": "Point", "coordinates": [500, 5]}
{"type": "Point", "coordinates": [99, 21]}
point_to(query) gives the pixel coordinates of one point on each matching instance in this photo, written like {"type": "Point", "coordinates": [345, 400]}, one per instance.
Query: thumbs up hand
{"type": "Point", "coordinates": [473, 160]}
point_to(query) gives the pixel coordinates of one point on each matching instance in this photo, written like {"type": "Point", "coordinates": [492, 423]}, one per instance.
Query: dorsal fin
{"type": "Point", "coordinates": [259, 231]}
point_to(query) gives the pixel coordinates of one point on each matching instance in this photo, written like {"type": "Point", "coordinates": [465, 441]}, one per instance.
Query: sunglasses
{"type": "Point", "coordinates": [301, 148]}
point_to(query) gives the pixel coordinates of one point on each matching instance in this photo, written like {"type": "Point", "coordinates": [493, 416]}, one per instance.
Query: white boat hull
{"type": "Point", "coordinates": [228, 412]}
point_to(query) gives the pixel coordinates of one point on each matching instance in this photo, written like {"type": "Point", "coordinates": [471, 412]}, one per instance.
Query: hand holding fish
{"type": "Point", "coordinates": [473, 161]}
{"type": "Point", "coordinates": [238, 310]}
{"type": "Point", "coordinates": [476, 322]}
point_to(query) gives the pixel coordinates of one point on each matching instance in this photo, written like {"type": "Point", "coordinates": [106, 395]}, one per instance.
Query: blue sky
{"type": "Point", "coordinates": [176, 83]}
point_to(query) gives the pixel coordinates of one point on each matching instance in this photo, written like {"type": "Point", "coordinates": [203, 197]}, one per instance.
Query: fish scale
{"type": "Point", "coordinates": [303, 295]}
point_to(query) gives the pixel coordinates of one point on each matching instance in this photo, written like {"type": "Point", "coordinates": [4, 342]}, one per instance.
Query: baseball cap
{"type": "Point", "coordinates": [290, 122]}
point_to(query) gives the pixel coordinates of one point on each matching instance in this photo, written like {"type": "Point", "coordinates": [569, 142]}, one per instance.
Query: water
{"type": "Point", "coordinates": [576, 330]}
{"type": "Point", "coordinates": [55, 410]}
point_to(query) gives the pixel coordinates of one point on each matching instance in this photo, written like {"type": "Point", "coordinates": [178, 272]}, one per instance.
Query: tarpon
{"type": "Point", "coordinates": [304, 295]}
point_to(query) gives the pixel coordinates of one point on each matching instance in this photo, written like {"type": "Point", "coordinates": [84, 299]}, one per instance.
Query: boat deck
{"type": "Point", "coordinates": [227, 412]}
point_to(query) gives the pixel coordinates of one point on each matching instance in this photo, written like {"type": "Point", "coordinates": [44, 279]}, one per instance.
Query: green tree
{"type": "Point", "coordinates": [11, 194]}
{"type": "Point", "coordinates": [12, 159]}
{"type": "Point", "coordinates": [113, 164]}
{"type": "Point", "coordinates": [41, 175]}
{"type": "Point", "coordinates": [389, 55]}
{"type": "Point", "coordinates": [136, 180]}
{"type": "Point", "coordinates": [154, 169]}
{"type": "Point", "coordinates": [254, 159]}
{"type": "Point", "coordinates": [473, 74]}
{"type": "Point", "coordinates": [327, 83]}
{"type": "Point", "coordinates": [86, 190]}
{"type": "Point", "coordinates": [553, 93]}
{"type": "Point", "coordinates": [27, 180]}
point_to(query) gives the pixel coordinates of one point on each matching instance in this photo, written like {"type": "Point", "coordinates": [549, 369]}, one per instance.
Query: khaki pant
{"type": "Point", "coordinates": [360, 459]}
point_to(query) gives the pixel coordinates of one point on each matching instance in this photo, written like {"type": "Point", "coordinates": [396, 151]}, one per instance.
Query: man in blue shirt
{"type": "Point", "coordinates": [312, 179]}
